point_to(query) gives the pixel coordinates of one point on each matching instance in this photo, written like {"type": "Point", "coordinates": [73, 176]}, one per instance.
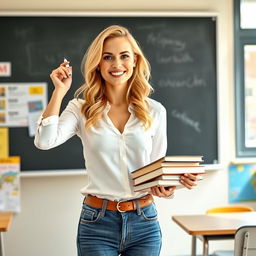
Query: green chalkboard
{"type": "Point", "coordinates": [182, 53]}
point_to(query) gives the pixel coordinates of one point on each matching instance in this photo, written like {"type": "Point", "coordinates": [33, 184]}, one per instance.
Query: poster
{"type": "Point", "coordinates": [5, 69]}
{"type": "Point", "coordinates": [10, 184]}
{"type": "Point", "coordinates": [16, 101]}
{"type": "Point", "coordinates": [242, 183]}
{"type": "Point", "coordinates": [4, 142]}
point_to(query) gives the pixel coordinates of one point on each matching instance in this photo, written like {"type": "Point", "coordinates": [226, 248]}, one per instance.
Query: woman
{"type": "Point", "coordinates": [121, 130]}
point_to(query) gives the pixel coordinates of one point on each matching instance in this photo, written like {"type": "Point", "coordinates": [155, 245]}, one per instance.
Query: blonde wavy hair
{"type": "Point", "coordinates": [93, 90]}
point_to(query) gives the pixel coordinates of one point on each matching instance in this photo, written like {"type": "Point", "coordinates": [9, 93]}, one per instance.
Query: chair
{"type": "Point", "coordinates": [228, 209]}
{"type": "Point", "coordinates": [245, 241]}
{"type": "Point", "coordinates": [245, 244]}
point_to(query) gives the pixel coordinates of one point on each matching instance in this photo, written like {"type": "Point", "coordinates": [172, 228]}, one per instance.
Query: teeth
{"type": "Point", "coordinates": [117, 73]}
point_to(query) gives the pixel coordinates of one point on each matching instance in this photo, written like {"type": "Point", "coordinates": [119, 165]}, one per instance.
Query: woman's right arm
{"type": "Point", "coordinates": [62, 79]}
{"type": "Point", "coordinates": [52, 130]}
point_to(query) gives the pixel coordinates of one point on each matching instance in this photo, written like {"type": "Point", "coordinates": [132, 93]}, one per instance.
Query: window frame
{"type": "Point", "coordinates": [242, 37]}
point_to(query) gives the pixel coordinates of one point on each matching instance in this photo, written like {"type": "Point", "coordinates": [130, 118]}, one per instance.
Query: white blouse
{"type": "Point", "coordinates": [110, 156]}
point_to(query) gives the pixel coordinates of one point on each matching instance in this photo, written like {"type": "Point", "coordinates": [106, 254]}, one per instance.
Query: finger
{"type": "Point", "coordinates": [67, 67]}
{"type": "Point", "coordinates": [191, 176]}
{"type": "Point", "coordinates": [153, 190]}
{"type": "Point", "coordinates": [69, 71]}
{"type": "Point", "coordinates": [60, 71]}
{"type": "Point", "coordinates": [65, 63]}
{"type": "Point", "coordinates": [164, 191]}
{"type": "Point", "coordinates": [157, 191]}
{"type": "Point", "coordinates": [56, 76]}
{"type": "Point", "coordinates": [168, 191]}
{"type": "Point", "coordinates": [171, 189]}
{"type": "Point", "coordinates": [199, 177]}
{"type": "Point", "coordinates": [187, 182]}
{"type": "Point", "coordinates": [190, 179]}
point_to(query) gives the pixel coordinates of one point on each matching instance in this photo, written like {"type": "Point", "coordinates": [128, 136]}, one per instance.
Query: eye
{"type": "Point", "coordinates": [125, 56]}
{"type": "Point", "coordinates": [107, 57]}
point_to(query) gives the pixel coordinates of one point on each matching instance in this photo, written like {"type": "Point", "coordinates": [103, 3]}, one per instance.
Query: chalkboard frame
{"type": "Point", "coordinates": [213, 15]}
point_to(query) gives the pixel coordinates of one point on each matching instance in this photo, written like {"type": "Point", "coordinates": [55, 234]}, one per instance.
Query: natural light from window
{"type": "Point", "coordinates": [250, 94]}
{"type": "Point", "coordinates": [248, 14]}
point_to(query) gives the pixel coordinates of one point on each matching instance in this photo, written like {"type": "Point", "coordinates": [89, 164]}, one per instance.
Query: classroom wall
{"type": "Point", "coordinates": [50, 206]}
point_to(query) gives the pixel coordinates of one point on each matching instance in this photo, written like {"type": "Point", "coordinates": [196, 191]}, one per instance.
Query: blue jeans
{"type": "Point", "coordinates": [110, 233]}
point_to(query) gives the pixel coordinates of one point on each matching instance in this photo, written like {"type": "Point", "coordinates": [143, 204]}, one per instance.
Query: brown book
{"type": "Point", "coordinates": [147, 177]}
{"type": "Point", "coordinates": [166, 183]}
{"type": "Point", "coordinates": [168, 161]}
{"type": "Point", "coordinates": [171, 171]}
{"type": "Point", "coordinates": [171, 177]}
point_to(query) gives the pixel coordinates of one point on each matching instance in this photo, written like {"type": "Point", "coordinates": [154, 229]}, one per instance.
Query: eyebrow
{"type": "Point", "coordinates": [110, 53]}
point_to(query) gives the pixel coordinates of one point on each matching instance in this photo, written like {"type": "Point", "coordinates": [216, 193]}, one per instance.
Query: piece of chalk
{"type": "Point", "coordinates": [67, 65]}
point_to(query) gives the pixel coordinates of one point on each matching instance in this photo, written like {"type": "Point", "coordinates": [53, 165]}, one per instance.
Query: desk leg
{"type": "Point", "coordinates": [205, 247]}
{"type": "Point", "coordinates": [193, 248]}
{"type": "Point", "coordinates": [1, 244]}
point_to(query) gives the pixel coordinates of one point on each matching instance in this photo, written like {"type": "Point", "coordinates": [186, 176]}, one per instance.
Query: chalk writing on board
{"type": "Point", "coordinates": [180, 58]}
{"type": "Point", "coordinates": [193, 81]}
{"type": "Point", "coordinates": [43, 52]}
{"type": "Point", "coordinates": [166, 41]}
{"type": "Point", "coordinates": [49, 54]}
{"type": "Point", "coordinates": [184, 118]}
{"type": "Point", "coordinates": [23, 33]}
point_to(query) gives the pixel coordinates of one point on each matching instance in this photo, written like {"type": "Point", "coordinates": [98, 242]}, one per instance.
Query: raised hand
{"type": "Point", "coordinates": [62, 77]}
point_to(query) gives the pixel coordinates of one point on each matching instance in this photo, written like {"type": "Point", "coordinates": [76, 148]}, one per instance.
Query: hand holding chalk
{"type": "Point", "coordinates": [62, 77]}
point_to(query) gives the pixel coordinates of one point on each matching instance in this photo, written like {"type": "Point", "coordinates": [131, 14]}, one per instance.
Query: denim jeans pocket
{"type": "Point", "coordinates": [149, 212]}
{"type": "Point", "coordinates": [89, 214]}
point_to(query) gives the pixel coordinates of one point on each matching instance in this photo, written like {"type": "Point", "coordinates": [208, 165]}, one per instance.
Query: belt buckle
{"type": "Point", "coordinates": [118, 207]}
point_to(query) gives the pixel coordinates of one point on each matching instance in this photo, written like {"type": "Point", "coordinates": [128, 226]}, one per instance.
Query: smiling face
{"type": "Point", "coordinates": [117, 61]}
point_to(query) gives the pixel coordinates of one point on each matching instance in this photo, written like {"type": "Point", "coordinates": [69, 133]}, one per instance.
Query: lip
{"type": "Point", "coordinates": [117, 73]}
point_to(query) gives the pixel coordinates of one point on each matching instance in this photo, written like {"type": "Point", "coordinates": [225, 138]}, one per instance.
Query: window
{"type": "Point", "coordinates": [247, 14]}
{"type": "Point", "coordinates": [245, 77]}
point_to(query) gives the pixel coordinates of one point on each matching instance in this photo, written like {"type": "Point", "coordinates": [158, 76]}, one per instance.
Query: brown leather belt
{"type": "Point", "coordinates": [119, 206]}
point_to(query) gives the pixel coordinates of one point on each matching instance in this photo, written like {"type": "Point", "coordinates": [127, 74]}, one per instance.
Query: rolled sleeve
{"type": "Point", "coordinates": [48, 120]}
{"type": "Point", "coordinates": [54, 130]}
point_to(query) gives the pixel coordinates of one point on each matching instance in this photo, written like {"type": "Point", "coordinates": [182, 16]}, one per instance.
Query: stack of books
{"type": "Point", "coordinates": [166, 171]}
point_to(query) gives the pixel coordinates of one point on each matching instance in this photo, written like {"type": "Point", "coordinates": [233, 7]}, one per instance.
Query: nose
{"type": "Point", "coordinates": [116, 63]}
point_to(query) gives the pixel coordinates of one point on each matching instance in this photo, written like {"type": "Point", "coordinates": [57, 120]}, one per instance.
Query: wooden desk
{"type": "Point", "coordinates": [5, 222]}
{"type": "Point", "coordinates": [213, 226]}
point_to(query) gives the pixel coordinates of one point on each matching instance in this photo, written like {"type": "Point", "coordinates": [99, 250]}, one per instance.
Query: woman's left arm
{"type": "Point", "coordinates": [159, 147]}
{"type": "Point", "coordinates": [159, 150]}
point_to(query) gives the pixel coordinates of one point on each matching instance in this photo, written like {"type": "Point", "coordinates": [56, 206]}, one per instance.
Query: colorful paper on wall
{"type": "Point", "coordinates": [5, 69]}
{"type": "Point", "coordinates": [10, 184]}
{"type": "Point", "coordinates": [15, 99]}
{"type": "Point", "coordinates": [4, 142]}
{"type": "Point", "coordinates": [242, 183]}
{"type": "Point", "coordinates": [35, 109]}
